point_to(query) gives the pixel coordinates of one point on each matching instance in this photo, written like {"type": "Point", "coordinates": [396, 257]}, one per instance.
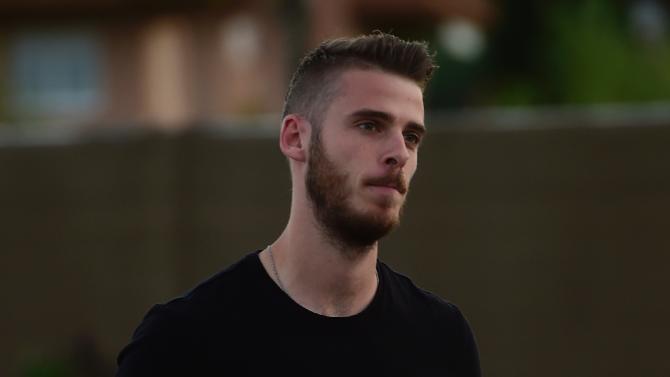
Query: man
{"type": "Point", "coordinates": [316, 301]}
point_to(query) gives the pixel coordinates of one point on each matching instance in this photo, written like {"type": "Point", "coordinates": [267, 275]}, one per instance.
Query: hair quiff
{"type": "Point", "coordinates": [312, 86]}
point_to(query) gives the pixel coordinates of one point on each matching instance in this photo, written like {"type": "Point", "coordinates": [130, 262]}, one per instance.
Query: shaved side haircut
{"type": "Point", "coordinates": [313, 85]}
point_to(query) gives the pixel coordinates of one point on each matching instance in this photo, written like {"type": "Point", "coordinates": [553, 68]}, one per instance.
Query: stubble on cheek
{"type": "Point", "coordinates": [331, 198]}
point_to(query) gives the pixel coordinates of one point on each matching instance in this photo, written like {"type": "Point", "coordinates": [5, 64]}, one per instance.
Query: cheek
{"type": "Point", "coordinates": [410, 169]}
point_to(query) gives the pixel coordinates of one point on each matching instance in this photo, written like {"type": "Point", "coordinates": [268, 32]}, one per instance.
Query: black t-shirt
{"type": "Point", "coordinates": [240, 323]}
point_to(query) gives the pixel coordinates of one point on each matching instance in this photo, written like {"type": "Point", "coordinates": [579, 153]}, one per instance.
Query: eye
{"type": "Point", "coordinates": [368, 126]}
{"type": "Point", "coordinates": [412, 138]}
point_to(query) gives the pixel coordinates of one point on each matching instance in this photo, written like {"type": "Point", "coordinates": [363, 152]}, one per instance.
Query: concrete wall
{"type": "Point", "coordinates": [554, 242]}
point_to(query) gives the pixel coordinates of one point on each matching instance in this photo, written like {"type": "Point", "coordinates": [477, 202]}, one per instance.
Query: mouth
{"type": "Point", "coordinates": [385, 189]}
{"type": "Point", "coordinates": [393, 183]}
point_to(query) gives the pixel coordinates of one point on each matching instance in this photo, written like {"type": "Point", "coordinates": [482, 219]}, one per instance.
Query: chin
{"type": "Point", "coordinates": [390, 215]}
{"type": "Point", "coordinates": [384, 218]}
{"type": "Point", "coordinates": [390, 209]}
{"type": "Point", "coordinates": [361, 229]}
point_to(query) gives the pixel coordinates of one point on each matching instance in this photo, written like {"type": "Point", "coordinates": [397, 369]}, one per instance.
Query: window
{"type": "Point", "coordinates": [55, 72]}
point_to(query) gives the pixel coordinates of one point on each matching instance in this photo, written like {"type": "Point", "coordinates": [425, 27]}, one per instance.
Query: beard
{"type": "Point", "coordinates": [327, 188]}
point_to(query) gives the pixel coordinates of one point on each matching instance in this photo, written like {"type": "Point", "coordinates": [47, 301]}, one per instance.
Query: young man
{"type": "Point", "coordinates": [317, 301]}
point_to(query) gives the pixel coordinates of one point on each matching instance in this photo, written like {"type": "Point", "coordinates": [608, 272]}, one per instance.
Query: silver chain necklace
{"type": "Point", "coordinates": [274, 269]}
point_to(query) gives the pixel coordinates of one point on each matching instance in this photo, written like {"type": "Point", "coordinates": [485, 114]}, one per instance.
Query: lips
{"type": "Point", "coordinates": [395, 182]}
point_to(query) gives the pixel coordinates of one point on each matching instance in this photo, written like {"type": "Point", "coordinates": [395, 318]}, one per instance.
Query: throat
{"type": "Point", "coordinates": [341, 302]}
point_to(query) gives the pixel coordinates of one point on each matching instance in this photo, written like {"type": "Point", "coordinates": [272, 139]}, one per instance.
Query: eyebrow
{"type": "Point", "coordinates": [381, 115]}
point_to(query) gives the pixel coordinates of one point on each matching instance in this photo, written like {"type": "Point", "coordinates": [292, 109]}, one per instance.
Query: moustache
{"type": "Point", "coordinates": [397, 181]}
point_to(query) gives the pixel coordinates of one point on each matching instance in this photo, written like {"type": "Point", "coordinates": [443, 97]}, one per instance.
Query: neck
{"type": "Point", "coordinates": [320, 274]}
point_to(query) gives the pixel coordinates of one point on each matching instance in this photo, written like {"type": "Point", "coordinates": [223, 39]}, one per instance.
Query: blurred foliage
{"type": "Point", "coordinates": [81, 358]}
{"type": "Point", "coordinates": [593, 57]}
{"type": "Point", "coordinates": [454, 82]}
{"type": "Point", "coordinates": [569, 52]}
{"type": "Point", "coordinates": [47, 368]}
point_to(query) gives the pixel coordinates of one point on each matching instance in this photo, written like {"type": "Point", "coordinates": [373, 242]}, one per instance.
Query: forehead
{"type": "Point", "coordinates": [377, 90]}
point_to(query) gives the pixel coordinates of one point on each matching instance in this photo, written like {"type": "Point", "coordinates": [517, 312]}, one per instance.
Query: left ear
{"type": "Point", "coordinates": [293, 137]}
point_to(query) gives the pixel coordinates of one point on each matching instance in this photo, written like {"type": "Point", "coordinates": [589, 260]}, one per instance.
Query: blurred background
{"type": "Point", "coordinates": [138, 156]}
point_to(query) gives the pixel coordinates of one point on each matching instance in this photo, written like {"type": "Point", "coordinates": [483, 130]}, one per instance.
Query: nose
{"type": "Point", "coordinates": [396, 155]}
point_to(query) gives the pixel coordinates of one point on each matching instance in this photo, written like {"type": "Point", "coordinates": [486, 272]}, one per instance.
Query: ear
{"type": "Point", "coordinates": [293, 137]}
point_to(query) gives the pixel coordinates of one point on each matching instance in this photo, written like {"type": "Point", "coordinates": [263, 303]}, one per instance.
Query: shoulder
{"type": "Point", "coordinates": [221, 290]}
{"type": "Point", "coordinates": [225, 287]}
{"type": "Point", "coordinates": [171, 331]}
{"type": "Point", "coordinates": [442, 322]}
{"type": "Point", "coordinates": [405, 292]}
{"type": "Point", "coordinates": [423, 307]}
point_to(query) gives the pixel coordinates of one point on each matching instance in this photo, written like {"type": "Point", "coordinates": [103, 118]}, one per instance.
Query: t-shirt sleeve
{"type": "Point", "coordinates": [160, 346]}
{"type": "Point", "coordinates": [467, 354]}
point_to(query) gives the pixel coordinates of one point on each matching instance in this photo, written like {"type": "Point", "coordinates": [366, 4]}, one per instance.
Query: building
{"type": "Point", "coordinates": [74, 63]}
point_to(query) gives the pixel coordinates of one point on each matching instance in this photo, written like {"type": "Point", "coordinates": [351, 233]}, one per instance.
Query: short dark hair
{"type": "Point", "coordinates": [311, 88]}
